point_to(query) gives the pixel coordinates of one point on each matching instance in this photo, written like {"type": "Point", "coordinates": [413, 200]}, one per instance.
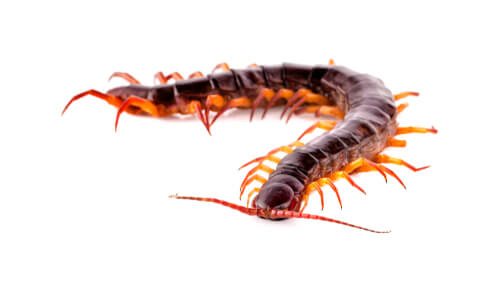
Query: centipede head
{"type": "Point", "coordinates": [276, 196]}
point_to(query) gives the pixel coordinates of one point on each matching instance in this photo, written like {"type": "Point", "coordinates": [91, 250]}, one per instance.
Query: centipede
{"type": "Point", "coordinates": [361, 123]}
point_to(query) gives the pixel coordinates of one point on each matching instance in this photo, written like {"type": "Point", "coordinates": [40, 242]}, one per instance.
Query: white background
{"type": "Point", "coordinates": [85, 210]}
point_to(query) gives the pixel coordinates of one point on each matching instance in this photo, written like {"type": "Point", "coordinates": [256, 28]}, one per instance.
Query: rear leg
{"type": "Point", "coordinates": [115, 101]}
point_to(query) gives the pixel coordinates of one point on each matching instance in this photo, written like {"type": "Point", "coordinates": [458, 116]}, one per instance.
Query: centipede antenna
{"type": "Point", "coordinates": [273, 214]}
{"type": "Point", "coordinates": [125, 76]}
{"type": "Point", "coordinates": [242, 209]}
{"type": "Point", "coordinates": [276, 214]}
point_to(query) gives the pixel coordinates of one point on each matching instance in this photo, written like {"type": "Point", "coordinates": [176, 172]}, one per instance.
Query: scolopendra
{"type": "Point", "coordinates": [365, 112]}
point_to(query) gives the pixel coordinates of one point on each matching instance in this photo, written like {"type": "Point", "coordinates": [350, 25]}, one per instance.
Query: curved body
{"type": "Point", "coordinates": [367, 107]}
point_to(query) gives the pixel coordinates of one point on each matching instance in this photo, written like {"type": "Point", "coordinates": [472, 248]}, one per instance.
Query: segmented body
{"type": "Point", "coordinates": [369, 122]}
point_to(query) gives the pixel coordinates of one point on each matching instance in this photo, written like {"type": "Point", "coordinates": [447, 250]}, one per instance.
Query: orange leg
{"type": "Point", "coordinates": [221, 66]}
{"type": "Point", "coordinates": [405, 94]}
{"type": "Point", "coordinates": [381, 168]}
{"type": "Point", "coordinates": [194, 107]}
{"type": "Point", "coordinates": [296, 96]}
{"type": "Point", "coordinates": [323, 124]}
{"type": "Point", "coordinates": [125, 76]}
{"type": "Point", "coordinates": [314, 186]}
{"type": "Point", "coordinates": [412, 129]}
{"type": "Point", "coordinates": [265, 93]}
{"type": "Point", "coordinates": [196, 75]}
{"type": "Point", "coordinates": [382, 158]}
{"type": "Point", "coordinates": [164, 79]}
{"type": "Point", "coordinates": [258, 178]}
{"type": "Point", "coordinates": [393, 142]}
{"type": "Point", "coordinates": [233, 103]}
{"type": "Point", "coordinates": [282, 93]}
{"type": "Point", "coordinates": [256, 189]}
{"type": "Point", "coordinates": [363, 162]}
{"type": "Point", "coordinates": [213, 100]}
{"type": "Point", "coordinates": [309, 98]}
{"type": "Point", "coordinates": [115, 101]}
{"type": "Point", "coordinates": [260, 166]}
{"type": "Point", "coordinates": [344, 175]}
{"type": "Point", "coordinates": [401, 107]}
{"type": "Point", "coordinates": [138, 105]}
{"type": "Point", "coordinates": [322, 110]}
{"type": "Point", "coordinates": [270, 155]}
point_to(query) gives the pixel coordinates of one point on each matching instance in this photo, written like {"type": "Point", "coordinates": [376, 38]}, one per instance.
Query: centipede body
{"type": "Point", "coordinates": [365, 111]}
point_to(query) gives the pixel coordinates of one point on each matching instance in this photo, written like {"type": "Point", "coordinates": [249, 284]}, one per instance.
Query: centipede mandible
{"type": "Point", "coordinates": [362, 122]}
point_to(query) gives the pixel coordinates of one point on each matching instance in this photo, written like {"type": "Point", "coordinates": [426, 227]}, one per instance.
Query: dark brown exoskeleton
{"type": "Point", "coordinates": [364, 108]}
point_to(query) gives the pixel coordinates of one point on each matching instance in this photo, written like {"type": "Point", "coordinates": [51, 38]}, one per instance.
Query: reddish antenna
{"type": "Point", "coordinates": [272, 214]}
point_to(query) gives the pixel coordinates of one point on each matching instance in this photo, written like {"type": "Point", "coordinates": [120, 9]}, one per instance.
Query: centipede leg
{"type": "Point", "coordinates": [296, 96]}
{"type": "Point", "coordinates": [196, 75]}
{"type": "Point", "coordinates": [361, 164]}
{"type": "Point", "coordinates": [125, 76]}
{"type": "Point", "coordinates": [314, 186]}
{"type": "Point", "coordinates": [309, 98]}
{"type": "Point", "coordinates": [261, 167]}
{"type": "Point", "coordinates": [405, 94]}
{"type": "Point", "coordinates": [221, 66]}
{"type": "Point", "coordinates": [382, 169]}
{"type": "Point", "coordinates": [344, 175]}
{"type": "Point", "coordinates": [270, 155]}
{"type": "Point", "coordinates": [258, 178]}
{"type": "Point", "coordinates": [213, 100]}
{"type": "Point", "coordinates": [112, 100]}
{"type": "Point", "coordinates": [164, 79]}
{"type": "Point", "coordinates": [251, 175]}
{"type": "Point", "coordinates": [265, 93]}
{"type": "Point", "coordinates": [256, 189]}
{"type": "Point", "coordinates": [393, 142]}
{"type": "Point", "coordinates": [243, 102]}
{"type": "Point", "coordinates": [322, 124]}
{"type": "Point", "coordinates": [332, 111]}
{"type": "Point", "coordinates": [412, 129]}
{"type": "Point", "coordinates": [283, 93]}
{"type": "Point", "coordinates": [194, 107]}
{"type": "Point", "coordinates": [138, 105]}
{"type": "Point", "coordinates": [382, 158]}
{"type": "Point", "coordinates": [401, 107]}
